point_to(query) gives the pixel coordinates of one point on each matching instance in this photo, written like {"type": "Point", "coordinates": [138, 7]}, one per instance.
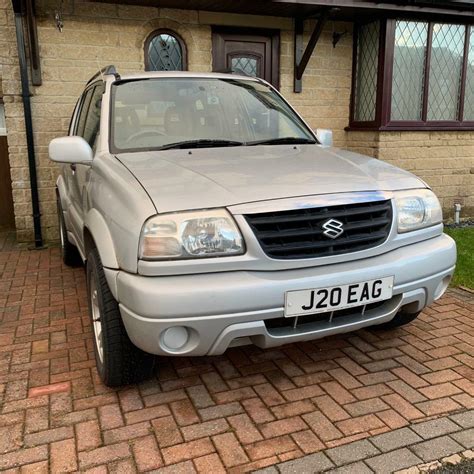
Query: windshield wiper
{"type": "Point", "coordinates": [283, 141]}
{"type": "Point", "coordinates": [200, 143]}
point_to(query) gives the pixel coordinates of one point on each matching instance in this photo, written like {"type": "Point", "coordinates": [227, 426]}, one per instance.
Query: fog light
{"type": "Point", "coordinates": [442, 287]}
{"type": "Point", "coordinates": [175, 338]}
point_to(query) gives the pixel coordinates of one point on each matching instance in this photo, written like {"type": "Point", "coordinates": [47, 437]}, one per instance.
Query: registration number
{"type": "Point", "coordinates": [322, 300]}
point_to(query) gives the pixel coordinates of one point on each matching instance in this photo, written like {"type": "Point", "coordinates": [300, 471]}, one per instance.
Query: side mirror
{"type": "Point", "coordinates": [324, 136]}
{"type": "Point", "coordinates": [70, 150]}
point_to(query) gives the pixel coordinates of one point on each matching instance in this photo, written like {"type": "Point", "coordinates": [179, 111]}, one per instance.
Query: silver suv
{"type": "Point", "coordinates": [209, 215]}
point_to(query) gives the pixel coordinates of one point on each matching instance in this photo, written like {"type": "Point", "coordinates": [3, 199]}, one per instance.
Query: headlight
{"type": "Point", "coordinates": [417, 208]}
{"type": "Point", "coordinates": [189, 235]}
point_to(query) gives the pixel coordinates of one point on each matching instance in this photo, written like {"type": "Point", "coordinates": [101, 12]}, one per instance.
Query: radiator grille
{"type": "Point", "coordinates": [298, 233]}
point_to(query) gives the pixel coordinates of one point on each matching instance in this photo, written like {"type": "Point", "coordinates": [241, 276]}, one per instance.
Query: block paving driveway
{"type": "Point", "coordinates": [362, 402]}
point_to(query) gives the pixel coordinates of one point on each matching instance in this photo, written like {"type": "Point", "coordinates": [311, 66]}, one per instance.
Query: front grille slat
{"type": "Point", "coordinates": [287, 217]}
{"type": "Point", "coordinates": [298, 233]}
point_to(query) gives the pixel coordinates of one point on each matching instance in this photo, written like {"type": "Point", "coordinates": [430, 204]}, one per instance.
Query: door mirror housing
{"type": "Point", "coordinates": [324, 136]}
{"type": "Point", "coordinates": [70, 150]}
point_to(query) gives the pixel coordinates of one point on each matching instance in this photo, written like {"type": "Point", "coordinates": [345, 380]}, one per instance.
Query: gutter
{"type": "Point", "coordinates": [25, 94]}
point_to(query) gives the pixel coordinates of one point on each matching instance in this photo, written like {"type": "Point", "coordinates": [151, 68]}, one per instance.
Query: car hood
{"type": "Point", "coordinates": [203, 178]}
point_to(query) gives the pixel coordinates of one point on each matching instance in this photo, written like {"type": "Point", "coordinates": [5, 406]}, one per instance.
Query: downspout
{"type": "Point", "coordinates": [30, 143]}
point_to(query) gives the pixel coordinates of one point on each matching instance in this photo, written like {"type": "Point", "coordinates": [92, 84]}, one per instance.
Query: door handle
{"type": "Point", "coordinates": [73, 168]}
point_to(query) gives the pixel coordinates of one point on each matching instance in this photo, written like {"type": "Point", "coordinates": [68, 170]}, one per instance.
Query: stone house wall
{"type": "Point", "coordinates": [97, 34]}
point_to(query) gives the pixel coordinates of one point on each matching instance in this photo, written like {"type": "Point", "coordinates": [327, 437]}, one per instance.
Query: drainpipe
{"type": "Point", "coordinates": [25, 94]}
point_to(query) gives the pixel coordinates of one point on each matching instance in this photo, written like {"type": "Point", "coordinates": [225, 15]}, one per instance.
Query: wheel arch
{"type": "Point", "coordinates": [97, 235]}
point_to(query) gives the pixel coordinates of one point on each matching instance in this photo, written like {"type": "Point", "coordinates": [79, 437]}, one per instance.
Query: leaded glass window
{"type": "Point", "coordinates": [446, 61]}
{"type": "Point", "coordinates": [469, 88]}
{"type": "Point", "coordinates": [366, 72]}
{"type": "Point", "coordinates": [422, 78]}
{"type": "Point", "coordinates": [165, 51]}
{"type": "Point", "coordinates": [409, 60]}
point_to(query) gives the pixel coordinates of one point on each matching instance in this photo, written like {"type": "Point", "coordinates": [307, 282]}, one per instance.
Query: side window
{"type": "Point", "coordinates": [92, 123]}
{"type": "Point", "coordinates": [81, 118]}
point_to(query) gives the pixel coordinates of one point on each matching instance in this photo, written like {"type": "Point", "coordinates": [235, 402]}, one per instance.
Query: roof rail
{"type": "Point", "coordinates": [105, 71]}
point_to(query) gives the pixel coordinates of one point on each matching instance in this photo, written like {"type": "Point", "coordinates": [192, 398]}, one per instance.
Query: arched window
{"type": "Point", "coordinates": [165, 51]}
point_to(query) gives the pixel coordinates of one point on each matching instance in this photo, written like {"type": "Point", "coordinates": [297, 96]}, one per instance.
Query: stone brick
{"type": "Point", "coordinates": [466, 438]}
{"type": "Point", "coordinates": [436, 448]}
{"type": "Point", "coordinates": [395, 439]}
{"type": "Point", "coordinates": [317, 462]}
{"type": "Point", "coordinates": [352, 452]}
{"type": "Point", "coordinates": [435, 428]}
{"type": "Point", "coordinates": [393, 461]}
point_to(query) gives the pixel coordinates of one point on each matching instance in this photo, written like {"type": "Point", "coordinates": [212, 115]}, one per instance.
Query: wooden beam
{"type": "Point", "coordinates": [298, 42]}
{"type": "Point", "coordinates": [302, 59]}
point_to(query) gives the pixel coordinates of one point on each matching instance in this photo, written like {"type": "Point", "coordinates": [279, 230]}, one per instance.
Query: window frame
{"type": "Point", "coordinates": [165, 31]}
{"type": "Point", "coordinates": [383, 104]}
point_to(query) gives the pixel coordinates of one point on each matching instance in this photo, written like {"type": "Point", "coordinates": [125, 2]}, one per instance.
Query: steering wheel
{"type": "Point", "coordinates": [145, 133]}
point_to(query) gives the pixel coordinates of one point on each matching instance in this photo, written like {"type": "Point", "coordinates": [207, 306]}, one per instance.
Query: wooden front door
{"type": "Point", "coordinates": [7, 219]}
{"type": "Point", "coordinates": [252, 52]}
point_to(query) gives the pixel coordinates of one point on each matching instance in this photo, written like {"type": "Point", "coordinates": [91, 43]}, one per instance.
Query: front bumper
{"type": "Point", "coordinates": [225, 309]}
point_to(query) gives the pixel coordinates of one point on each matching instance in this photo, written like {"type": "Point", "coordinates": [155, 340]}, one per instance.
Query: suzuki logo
{"type": "Point", "coordinates": [332, 228]}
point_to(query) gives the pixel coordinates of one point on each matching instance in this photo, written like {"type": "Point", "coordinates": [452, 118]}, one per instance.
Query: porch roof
{"type": "Point", "coordinates": [342, 10]}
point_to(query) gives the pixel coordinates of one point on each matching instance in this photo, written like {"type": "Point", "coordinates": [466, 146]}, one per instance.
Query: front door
{"type": "Point", "coordinates": [252, 52]}
{"type": "Point", "coordinates": [7, 219]}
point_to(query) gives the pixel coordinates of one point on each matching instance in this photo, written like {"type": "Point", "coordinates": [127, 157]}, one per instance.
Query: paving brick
{"type": "Point", "coordinates": [230, 450]}
{"type": "Point", "coordinates": [49, 389]}
{"type": "Point", "coordinates": [43, 437]}
{"type": "Point", "coordinates": [307, 441]}
{"type": "Point", "coordinates": [220, 411]}
{"type": "Point", "coordinates": [22, 457]}
{"type": "Point", "coordinates": [270, 447]}
{"type": "Point", "coordinates": [355, 468]}
{"type": "Point", "coordinates": [210, 463]}
{"type": "Point", "coordinates": [63, 456]}
{"type": "Point", "coordinates": [146, 453]}
{"type": "Point", "coordinates": [395, 439]}
{"type": "Point", "coordinates": [205, 429]}
{"type": "Point", "coordinates": [312, 463]}
{"type": "Point", "coordinates": [366, 406]}
{"type": "Point", "coordinates": [393, 461]}
{"type": "Point", "coordinates": [466, 438]}
{"type": "Point", "coordinates": [103, 455]}
{"type": "Point", "coordinates": [434, 428]}
{"type": "Point", "coordinates": [465, 419]}
{"type": "Point", "coordinates": [199, 411]}
{"type": "Point", "coordinates": [88, 435]}
{"type": "Point", "coordinates": [282, 427]}
{"type": "Point", "coordinates": [436, 448]}
{"type": "Point", "coordinates": [166, 431]}
{"type": "Point", "coordinates": [322, 427]}
{"type": "Point", "coordinates": [352, 452]}
{"type": "Point", "coordinates": [438, 406]}
{"type": "Point", "coordinates": [126, 433]}
{"type": "Point", "coordinates": [184, 412]}
{"type": "Point", "coordinates": [359, 424]}
{"type": "Point", "coordinates": [440, 390]}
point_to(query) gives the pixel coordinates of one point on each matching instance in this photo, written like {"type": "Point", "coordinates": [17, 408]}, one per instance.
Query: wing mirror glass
{"type": "Point", "coordinates": [324, 136]}
{"type": "Point", "coordinates": [70, 150]}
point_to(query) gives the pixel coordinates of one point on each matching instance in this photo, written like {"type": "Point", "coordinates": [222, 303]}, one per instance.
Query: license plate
{"type": "Point", "coordinates": [323, 300]}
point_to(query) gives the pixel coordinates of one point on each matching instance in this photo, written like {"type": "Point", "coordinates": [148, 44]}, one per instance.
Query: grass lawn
{"type": "Point", "coordinates": [464, 238]}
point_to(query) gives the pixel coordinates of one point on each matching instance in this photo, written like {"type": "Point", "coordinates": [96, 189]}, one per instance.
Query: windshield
{"type": "Point", "coordinates": [163, 113]}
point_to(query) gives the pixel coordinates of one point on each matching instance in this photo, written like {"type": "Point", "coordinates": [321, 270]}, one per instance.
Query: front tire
{"type": "Point", "coordinates": [400, 319]}
{"type": "Point", "coordinates": [118, 361]}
